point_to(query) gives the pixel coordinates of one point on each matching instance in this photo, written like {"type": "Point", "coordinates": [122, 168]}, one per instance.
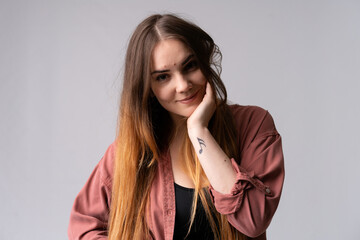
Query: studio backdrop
{"type": "Point", "coordinates": [61, 65]}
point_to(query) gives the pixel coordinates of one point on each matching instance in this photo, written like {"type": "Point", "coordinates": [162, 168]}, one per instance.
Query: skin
{"type": "Point", "coordinates": [175, 77]}
{"type": "Point", "coordinates": [181, 88]}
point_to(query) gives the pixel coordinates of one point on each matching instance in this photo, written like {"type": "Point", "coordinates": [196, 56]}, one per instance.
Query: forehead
{"type": "Point", "coordinates": [168, 53]}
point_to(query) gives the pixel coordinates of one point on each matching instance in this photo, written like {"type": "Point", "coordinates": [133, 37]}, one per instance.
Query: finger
{"type": "Point", "coordinates": [209, 91]}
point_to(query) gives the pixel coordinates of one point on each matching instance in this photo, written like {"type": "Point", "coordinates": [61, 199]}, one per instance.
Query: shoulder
{"type": "Point", "coordinates": [252, 121]}
{"type": "Point", "coordinates": [242, 112]}
{"type": "Point", "coordinates": [106, 165]}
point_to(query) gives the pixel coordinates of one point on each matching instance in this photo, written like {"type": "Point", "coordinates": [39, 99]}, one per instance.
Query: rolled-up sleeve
{"type": "Point", "coordinates": [90, 211]}
{"type": "Point", "coordinates": [255, 196]}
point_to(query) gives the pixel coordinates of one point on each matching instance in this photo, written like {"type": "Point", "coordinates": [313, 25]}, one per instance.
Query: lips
{"type": "Point", "coordinates": [189, 99]}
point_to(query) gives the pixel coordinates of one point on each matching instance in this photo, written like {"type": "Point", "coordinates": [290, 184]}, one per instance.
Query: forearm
{"type": "Point", "coordinates": [216, 164]}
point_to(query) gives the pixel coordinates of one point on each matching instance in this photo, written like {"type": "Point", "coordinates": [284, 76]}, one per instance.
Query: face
{"type": "Point", "coordinates": [177, 81]}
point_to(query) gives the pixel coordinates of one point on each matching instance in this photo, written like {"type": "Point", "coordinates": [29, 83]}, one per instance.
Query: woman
{"type": "Point", "coordinates": [184, 164]}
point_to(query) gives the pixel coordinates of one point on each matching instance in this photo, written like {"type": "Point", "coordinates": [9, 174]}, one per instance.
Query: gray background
{"type": "Point", "coordinates": [60, 73]}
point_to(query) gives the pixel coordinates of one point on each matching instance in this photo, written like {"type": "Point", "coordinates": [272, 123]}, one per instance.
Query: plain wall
{"type": "Point", "coordinates": [60, 78]}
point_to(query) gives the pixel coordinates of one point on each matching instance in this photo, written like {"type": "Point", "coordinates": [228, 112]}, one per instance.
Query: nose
{"type": "Point", "coordinates": [182, 83]}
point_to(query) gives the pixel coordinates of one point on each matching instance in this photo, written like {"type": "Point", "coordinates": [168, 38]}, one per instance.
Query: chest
{"type": "Point", "coordinates": [179, 173]}
{"type": "Point", "coordinates": [161, 213]}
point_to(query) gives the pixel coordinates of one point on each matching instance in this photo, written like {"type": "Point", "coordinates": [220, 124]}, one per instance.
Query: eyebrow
{"type": "Point", "coordinates": [182, 64]}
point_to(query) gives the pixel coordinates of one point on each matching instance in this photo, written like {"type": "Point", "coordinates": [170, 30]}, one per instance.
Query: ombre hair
{"type": "Point", "coordinates": [144, 127]}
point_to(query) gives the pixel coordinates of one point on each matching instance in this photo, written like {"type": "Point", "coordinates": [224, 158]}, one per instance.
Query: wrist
{"type": "Point", "coordinates": [197, 130]}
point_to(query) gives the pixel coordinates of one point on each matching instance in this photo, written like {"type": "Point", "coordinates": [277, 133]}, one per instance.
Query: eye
{"type": "Point", "coordinates": [162, 77]}
{"type": "Point", "coordinates": [192, 65]}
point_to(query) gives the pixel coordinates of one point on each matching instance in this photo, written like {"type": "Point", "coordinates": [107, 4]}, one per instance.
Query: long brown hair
{"type": "Point", "coordinates": [144, 125]}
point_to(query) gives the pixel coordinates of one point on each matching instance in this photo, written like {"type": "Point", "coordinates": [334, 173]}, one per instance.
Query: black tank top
{"type": "Point", "coordinates": [201, 228]}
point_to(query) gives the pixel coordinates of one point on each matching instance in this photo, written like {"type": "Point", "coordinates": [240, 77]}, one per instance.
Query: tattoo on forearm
{"type": "Point", "coordinates": [201, 142]}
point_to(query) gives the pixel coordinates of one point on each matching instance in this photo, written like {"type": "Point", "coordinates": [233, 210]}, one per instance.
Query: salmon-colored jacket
{"type": "Point", "coordinates": [249, 207]}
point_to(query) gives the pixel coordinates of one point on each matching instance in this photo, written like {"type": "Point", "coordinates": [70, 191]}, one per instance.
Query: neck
{"type": "Point", "coordinates": [179, 132]}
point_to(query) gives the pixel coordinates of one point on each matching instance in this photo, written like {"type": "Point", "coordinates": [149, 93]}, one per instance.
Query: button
{"type": "Point", "coordinates": [267, 190]}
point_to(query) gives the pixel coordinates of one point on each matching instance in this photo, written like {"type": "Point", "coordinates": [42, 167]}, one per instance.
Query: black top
{"type": "Point", "coordinates": [201, 227]}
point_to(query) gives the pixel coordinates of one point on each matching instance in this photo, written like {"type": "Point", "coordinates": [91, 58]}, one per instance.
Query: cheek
{"type": "Point", "coordinates": [162, 94]}
{"type": "Point", "coordinates": [199, 77]}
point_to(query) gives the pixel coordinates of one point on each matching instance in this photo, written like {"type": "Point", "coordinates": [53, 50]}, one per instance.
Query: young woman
{"type": "Point", "coordinates": [185, 164]}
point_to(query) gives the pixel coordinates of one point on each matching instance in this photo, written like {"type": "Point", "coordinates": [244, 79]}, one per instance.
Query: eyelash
{"type": "Point", "coordinates": [159, 77]}
{"type": "Point", "coordinates": [192, 65]}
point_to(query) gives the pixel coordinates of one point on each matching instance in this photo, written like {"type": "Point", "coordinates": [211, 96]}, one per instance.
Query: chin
{"type": "Point", "coordinates": [188, 113]}
{"type": "Point", "coordinates": [182, 115]}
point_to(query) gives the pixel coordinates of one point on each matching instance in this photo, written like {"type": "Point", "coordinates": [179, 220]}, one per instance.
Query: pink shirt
{"type": "Point", "coordinates": [249, 207]}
